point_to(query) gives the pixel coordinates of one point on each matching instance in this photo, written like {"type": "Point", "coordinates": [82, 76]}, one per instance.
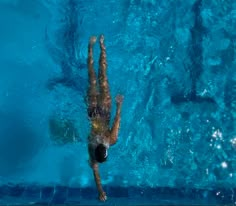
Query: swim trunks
{"type": "Point", "coordinates": [98, 112]}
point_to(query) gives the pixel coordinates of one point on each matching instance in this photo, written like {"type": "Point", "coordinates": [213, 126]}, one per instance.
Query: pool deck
{"type": "Point", "coordinates": [60, 195]}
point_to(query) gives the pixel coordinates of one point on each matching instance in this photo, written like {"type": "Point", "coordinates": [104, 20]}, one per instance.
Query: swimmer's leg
{"type": "Point", "coordinates": [92, 90]}
{"type": "Point", "coordinates": [105, 97]}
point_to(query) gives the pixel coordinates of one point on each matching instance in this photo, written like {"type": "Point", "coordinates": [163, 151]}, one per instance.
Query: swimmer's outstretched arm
{"type": "Point", "coordinates": [116, 124]}
{"type": "Point", "coordinates": [102, 194]}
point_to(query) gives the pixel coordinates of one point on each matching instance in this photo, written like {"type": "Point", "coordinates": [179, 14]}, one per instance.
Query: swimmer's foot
{"type": "Point", "coordinates": [101, 39]}
{"type": "Point", "coordinates": [92, 40]}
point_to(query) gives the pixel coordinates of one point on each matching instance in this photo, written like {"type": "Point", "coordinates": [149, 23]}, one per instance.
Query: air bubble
{"type": "Point", "coordinates": [224, 164]}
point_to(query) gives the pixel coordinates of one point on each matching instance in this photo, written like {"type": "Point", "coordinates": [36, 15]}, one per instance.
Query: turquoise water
{"type": "Point", "coordinates": [174, 62]}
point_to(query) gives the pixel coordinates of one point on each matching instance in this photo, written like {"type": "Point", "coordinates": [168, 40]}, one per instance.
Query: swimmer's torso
{"type": "Point", "coordinates": [99, 126]}
{"type": "Point", "coordinates": [100, 134]}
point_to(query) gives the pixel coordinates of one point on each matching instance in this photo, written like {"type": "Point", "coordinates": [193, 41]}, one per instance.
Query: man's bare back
{"type": "Point", "coordinates": [99, 108]}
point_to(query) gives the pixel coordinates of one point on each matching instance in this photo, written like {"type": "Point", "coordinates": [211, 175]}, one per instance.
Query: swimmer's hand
{"type": "Point", "coordinates": [119, 99]}
{"type": "Point", "coordinates": [102, 196]}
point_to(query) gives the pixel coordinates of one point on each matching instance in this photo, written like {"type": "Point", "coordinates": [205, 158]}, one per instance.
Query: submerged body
{"type": "Point", "coordinates": [99, 107]}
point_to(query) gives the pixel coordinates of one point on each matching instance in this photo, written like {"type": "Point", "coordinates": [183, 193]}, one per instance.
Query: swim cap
{"type": "Point", "coordinates": [101, 153]}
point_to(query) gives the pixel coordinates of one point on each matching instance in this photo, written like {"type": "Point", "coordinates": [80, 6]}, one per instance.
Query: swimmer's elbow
{"type": "Point", "coordinates": [114, 132]}
{"type": "Point", "coordinates": [113, 139]}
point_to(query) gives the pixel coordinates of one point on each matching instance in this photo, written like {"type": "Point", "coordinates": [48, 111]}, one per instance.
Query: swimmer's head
{"type": "Point", "coordinates": [101, 153]}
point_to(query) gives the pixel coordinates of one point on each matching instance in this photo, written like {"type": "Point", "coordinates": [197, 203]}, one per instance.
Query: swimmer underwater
{"type": "Point", "coordinates": [99, 111]}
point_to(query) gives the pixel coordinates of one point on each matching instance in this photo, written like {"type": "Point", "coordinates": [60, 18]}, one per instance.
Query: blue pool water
{"type": "Point", "coordinates": [174, 62]}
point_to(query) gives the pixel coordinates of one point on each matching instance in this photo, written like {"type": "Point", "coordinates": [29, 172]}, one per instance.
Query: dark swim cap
{"type": "Point", "coordinates": [101, 153]}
